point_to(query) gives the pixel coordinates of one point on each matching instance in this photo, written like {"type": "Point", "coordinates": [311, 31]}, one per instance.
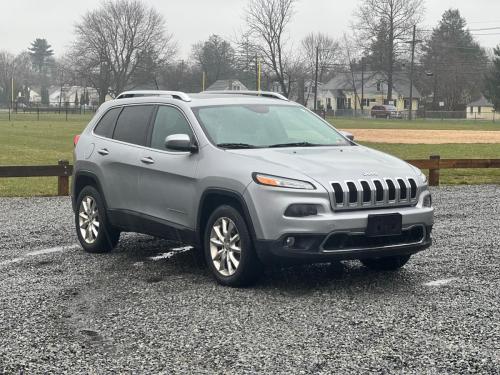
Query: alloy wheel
{"type": "Point", "coordinates": [88, 219]}
{"type": "Point", "coordinates": [225, 246]}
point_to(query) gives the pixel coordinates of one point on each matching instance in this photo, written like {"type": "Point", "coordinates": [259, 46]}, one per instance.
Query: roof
{"type": "Point", "coordinates": [199, 100]}
{"type": "Point", "coordinates": [343, 81]}
{"type": "Point", "coordinates": [225, 84]}
{"type": "Point", "coordinates": [481, 102]}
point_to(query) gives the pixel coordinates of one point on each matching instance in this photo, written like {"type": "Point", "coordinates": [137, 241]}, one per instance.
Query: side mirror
{"type": "Point", "coordinates": [180, 142]}
{"type": "Point", "coordinates": [348, 135]}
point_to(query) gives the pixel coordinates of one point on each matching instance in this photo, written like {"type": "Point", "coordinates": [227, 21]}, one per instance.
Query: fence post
{"type": "Point", "coordinates": [63, 181]}
{"type": "Point", "coordinates": [434, 172]}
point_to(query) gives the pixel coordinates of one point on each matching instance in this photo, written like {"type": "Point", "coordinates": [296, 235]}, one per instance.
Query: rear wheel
{"type": "Point", "coordinates": [94, 232]}
{"type": "Point", "coordinates": [386, 263]}
{"type": "Point", "coordinates": [229, 250]}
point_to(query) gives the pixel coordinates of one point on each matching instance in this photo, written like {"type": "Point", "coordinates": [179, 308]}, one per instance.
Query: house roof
{"type": "Point", "coordinates": [344, 81]}
{"type": "Point", "coordinates": [225, 84]}
{"type": "Point", "coordinates": [481, 102]}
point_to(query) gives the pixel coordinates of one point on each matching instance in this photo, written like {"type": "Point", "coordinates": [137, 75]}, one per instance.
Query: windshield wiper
{"type": "Point", "coordinates": [294, 144]}
{"type": "Point", "coordinates": [235, 145]}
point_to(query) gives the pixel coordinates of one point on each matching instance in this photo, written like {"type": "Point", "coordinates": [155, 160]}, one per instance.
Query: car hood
{"type": "Point", "coordinates": [327, 164]}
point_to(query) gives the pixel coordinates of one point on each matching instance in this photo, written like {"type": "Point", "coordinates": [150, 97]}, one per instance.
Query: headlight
{"type": "Point", "coordinates": [423, 177]}
{"type": "Point", "coordinates": [282, 182]}
{"type": "Point", "coordinates": [420, 174]}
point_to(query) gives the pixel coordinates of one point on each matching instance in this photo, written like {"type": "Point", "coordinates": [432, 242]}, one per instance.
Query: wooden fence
{"type": "Point", "coordinates": [63, 169]}
{"type": "Point", "coordinates": [434, 164]}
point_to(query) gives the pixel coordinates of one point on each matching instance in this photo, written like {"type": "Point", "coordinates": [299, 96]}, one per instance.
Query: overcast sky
{"type": "Point", "coordinates": [193, 20]}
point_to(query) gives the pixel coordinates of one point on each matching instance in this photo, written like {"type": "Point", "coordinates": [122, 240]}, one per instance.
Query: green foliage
{"type": "Point", "coordinates": [457, 63]}
{"type": "Point", "coordinates": [492, 84]}
{"type": "Point", "coordinates": [40, 52]}
{"type": "Point", "coordinates": [44, 93]}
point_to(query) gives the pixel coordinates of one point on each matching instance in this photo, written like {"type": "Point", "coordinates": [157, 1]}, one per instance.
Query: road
{"type": "Point", "coordinates": [147, 309]}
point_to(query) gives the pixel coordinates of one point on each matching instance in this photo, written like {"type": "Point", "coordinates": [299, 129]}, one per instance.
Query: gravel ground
{"type": "Point", "coordinates": [140, 310]}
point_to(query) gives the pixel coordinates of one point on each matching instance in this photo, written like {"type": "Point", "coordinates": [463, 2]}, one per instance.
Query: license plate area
{"type": "Point", "coordinates": [384, 225]}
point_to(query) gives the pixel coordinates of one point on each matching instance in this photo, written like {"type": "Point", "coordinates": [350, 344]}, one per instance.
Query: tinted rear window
{"type": "Point", "coordinates": [133, 123]}
{"type": "Point", "coordinates": [107, 123]}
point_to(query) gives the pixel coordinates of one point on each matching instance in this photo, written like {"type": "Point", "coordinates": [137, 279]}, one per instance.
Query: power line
{"type": "Point", "coordinates": [485, 29]}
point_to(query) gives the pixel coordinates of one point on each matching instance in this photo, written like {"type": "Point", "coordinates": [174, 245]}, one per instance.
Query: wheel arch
{"type": "Point", "coordinates": [82, 179]}
{"type": "Point", "coordinates": [215, 197]}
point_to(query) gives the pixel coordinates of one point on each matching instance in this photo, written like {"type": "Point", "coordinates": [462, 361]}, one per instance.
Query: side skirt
{"type": "Point", "coordinates": [131, 221]}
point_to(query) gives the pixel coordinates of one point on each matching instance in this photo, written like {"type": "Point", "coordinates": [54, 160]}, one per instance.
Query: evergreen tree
{"type": "Point", "coordinates": [492, 85]}
{"type": "Point", "coordinates": [40, 52]}
{"type": "Point", "coordinates": [77, 103]}
{"type": "Point", "coordinates": [457, 63]}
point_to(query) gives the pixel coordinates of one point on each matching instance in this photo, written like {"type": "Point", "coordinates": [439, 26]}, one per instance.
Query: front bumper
{"type": "Point", "coordinates": [313, 248]}
{"type": "Point", "coordinates": [266, 207]}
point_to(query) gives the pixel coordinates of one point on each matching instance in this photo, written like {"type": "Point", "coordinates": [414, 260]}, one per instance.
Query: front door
{"type": "Point", "coordinates": [167, 179]}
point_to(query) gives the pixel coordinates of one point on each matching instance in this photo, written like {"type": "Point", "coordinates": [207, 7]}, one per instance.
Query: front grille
{"type": "Point", "coordinates": [353, 241]}
{"type": "Point", "coordinates": [366, 194]}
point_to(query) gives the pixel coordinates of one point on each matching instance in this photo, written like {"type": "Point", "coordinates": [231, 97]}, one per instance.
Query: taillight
{"type": "Point", "coordinates": [75, 139]}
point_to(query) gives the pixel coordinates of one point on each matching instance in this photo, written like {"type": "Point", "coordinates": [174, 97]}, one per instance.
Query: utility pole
{"type": "Point", "coordinates": [410, 115]}
{"type": "Point", "coordinates": [256, 72]}
{"type": "Point", "coordinates": [316, 80]}
{"type": "Point", "coordinates": [362, 84]}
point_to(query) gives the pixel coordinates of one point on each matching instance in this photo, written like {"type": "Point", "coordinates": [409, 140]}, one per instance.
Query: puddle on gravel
{"type": "Point", "coordinates": [440, 282]}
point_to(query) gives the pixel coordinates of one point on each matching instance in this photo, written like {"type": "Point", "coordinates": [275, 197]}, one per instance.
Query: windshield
{"type": "Point", "coordinates": [252, 126]}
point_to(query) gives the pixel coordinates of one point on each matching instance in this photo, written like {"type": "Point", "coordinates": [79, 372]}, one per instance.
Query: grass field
{"type": "Point", "coordinates": [26, 141]}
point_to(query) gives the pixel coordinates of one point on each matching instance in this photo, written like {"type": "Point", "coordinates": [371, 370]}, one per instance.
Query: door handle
{"type": "Point", "coordinates": [103, 151]}
{"type": "Point", "coordinates": [148, 160]}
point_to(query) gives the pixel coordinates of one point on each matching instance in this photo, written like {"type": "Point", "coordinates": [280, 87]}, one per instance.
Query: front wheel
{"type": "Point", "coordinates": [229, 250]}
{"type": "Point", "coordinates": [94, 232]}
{"type": "Point", "coordinates": [386, 263]}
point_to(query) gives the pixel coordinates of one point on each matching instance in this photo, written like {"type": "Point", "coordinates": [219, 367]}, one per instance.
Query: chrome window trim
{"type": "Point", "coordinates": [139, 146]}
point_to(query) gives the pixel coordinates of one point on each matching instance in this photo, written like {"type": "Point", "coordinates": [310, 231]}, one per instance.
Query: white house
{"type": "Point", "coordinates": [226, 84]}
{"type": "Point", "coordinates": [481, 109]}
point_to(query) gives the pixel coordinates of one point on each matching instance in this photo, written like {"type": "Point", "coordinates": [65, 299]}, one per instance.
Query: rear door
{"type": "Point", "coordinates": [120, 157]}
{"type": "Point", "coordinates": [167, 179]}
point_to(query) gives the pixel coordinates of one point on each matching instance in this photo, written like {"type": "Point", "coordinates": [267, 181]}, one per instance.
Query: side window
{"type": "Point", "coordinates": [169, 120]}
{"type": "Point", "coordinates": [107, 123]}
{"type": "Point", "coordinates": [132, 125]}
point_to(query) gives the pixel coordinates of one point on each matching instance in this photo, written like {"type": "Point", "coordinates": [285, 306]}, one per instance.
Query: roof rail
{"type": "Point", "coordinates": [267, 94]}
{"type": "Point", "coordinates": [138, 93]}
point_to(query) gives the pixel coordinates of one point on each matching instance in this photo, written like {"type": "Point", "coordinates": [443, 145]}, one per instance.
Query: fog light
{"type": "Point", "coordinates": [427, 201]}
{"type": "Point", "coordinates": [301, 210]}
{"type": "Point", "coordinates": [289, 241]}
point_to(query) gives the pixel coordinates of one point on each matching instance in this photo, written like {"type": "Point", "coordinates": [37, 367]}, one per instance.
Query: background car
{"type": "Point", "coordinates": [385, 111]}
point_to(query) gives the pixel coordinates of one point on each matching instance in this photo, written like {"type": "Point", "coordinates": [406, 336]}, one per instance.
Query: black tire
{"type": "Point", "coordinates": [387, 263]}
{"type": "Point", "coordinates": [107, 237]}
{"type": "Point", "coordinates": [249, 268]}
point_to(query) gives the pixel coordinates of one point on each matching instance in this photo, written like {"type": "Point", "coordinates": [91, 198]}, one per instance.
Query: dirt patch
{"type": "Point", "coordinates": [410, 136]}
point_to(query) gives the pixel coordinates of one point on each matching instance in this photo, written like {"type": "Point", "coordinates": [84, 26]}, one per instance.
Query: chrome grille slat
{"type": "Point", "coordinates": [382, 192]}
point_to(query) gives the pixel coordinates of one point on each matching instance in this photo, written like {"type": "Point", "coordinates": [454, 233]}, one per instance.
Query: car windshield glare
{"type": "Point", "coordinates": [262, 126]}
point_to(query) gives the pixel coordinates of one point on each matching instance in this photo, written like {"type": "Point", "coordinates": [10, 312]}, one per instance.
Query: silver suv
{"type": "Point", "coordinates": [248, 178]}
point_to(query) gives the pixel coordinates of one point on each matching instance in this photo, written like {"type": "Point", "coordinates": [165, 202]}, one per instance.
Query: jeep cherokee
{"type": "Point", "coordinates": [246, 177]}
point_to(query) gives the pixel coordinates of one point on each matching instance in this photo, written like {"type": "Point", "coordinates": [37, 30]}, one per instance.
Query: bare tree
{"type": "Point", "coordinates": [19, 69]}
{"type": "Point", "coordinates": [328, 51]}
{"type": "Point", "coordinates": [386, 25]}
{"type": "Point", "coordinates": [115, 41]}
{"type": "Point", "coordinates": [267, 21]}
